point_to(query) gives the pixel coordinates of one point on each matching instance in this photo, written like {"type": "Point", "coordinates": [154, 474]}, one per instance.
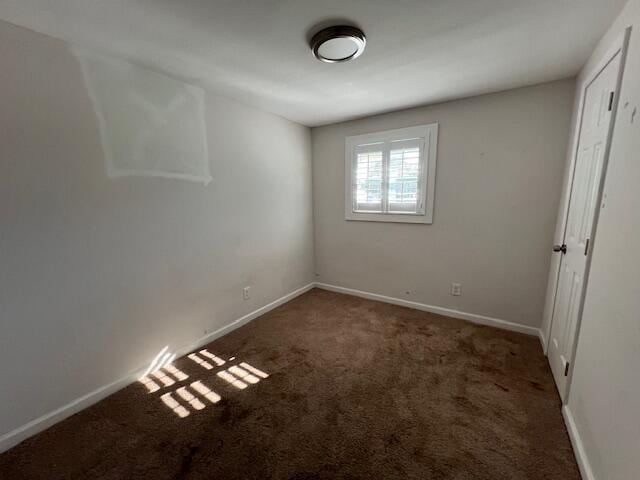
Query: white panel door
{"type": "Point", "coordinates": [594, 133]}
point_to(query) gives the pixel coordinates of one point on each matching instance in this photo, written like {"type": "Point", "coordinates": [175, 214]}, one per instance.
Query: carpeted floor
{"type": "Point", "coordinates": [356, 390]}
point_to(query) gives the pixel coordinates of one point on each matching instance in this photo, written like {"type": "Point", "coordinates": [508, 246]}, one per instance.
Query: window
{"type": "Point", "coordinates": [390, 176]}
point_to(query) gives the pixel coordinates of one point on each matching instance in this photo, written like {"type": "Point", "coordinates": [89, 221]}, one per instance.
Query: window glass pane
{"type": "Point", "coordinates": [404, 173]}
{"type": "Point", "coordinates": [368, 182]}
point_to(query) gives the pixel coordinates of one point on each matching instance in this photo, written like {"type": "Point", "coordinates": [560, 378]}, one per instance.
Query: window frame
{"type": "Point", "coordinates": [428, 135]}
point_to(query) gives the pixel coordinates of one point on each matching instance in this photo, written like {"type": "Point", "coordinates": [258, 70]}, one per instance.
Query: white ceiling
{"type": "Point", "coordinates": [418, 51]}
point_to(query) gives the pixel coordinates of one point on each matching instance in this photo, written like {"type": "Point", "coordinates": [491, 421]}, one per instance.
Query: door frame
{"type": "Point", "coordinates": [619, 46]}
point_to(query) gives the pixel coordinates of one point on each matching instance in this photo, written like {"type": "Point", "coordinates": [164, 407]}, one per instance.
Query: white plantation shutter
{"type": "Point", "coordinates": [390, 176]}
{"type": "Point", "coordinates": [405, 171]}
{"type": "Point", "coordinates": [368, 177]}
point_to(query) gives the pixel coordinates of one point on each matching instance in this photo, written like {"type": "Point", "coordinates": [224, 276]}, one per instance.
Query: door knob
{"type": "Point", "coordinates": [560, 248]}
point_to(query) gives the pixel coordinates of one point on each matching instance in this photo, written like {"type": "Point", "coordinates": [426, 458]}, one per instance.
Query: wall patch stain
{"type": "Point", "coordinates": [150, 124]}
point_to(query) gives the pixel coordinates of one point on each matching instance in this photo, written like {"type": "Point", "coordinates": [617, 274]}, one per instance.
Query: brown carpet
{"type": "Point", "coordinates": [356, 390]}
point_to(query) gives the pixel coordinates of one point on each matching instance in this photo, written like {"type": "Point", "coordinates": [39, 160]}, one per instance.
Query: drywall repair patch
{"type": "Point", "coordinates": [150, 124]}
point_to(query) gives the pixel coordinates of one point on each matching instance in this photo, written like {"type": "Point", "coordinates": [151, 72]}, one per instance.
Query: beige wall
{"type": "Point", "coordinates": [604, 398]}
{"type": "Point", "coordinates": [97, 275]}
{"type": "Point", "coordinates": [500, 168]}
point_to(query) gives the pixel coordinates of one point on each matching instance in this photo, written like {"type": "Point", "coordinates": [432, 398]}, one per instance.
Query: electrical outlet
{"type": "Point", "coordinates": [246, 293]}
{"type": "Point", "coordinates": [456, 289]}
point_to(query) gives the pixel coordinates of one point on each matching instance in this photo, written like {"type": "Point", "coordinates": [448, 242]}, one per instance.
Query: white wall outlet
{"type": "Point", "coordinates": [246, 293]}
{"type": "Point", "coordinates": [456, 289]}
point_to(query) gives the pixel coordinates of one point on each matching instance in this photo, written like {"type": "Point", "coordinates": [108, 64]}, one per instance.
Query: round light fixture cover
{"type": "Point", "coordinates": [338, 44]}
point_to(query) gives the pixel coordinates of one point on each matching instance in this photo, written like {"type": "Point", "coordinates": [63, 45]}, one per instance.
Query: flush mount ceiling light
{"type": "Point", "coordinates": [338, 44]}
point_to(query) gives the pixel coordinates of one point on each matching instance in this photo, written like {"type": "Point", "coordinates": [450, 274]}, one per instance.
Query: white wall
{"type": "Point", "coordinates": [500, 168]}
{"type": "Point", "coordinates": [604, 399]}
{"type": "Point", "coordinates": [97, 275]}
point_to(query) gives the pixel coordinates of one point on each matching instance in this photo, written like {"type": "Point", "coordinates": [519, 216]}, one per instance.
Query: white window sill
{"type": "Point", "coordinates": [388, 218]}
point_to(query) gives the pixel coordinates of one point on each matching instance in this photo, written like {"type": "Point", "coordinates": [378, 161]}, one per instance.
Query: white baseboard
{"type": "Point", "coordinates": [47, 420]}
{"type": "Point", "coordinates": [210, 337]}
{"type": "Point", "coordinates": [578, 446]}
{"type": "Point", "coordinates": [39, 424]}
{"type": "Point", "coordinates": [471, 317]}
{"type": "Point", "coordinates": [543, 341]}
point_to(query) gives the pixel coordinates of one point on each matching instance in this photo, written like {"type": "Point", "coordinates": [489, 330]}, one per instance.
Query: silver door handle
{"type": "Point", "coordinates": [560, 248]}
